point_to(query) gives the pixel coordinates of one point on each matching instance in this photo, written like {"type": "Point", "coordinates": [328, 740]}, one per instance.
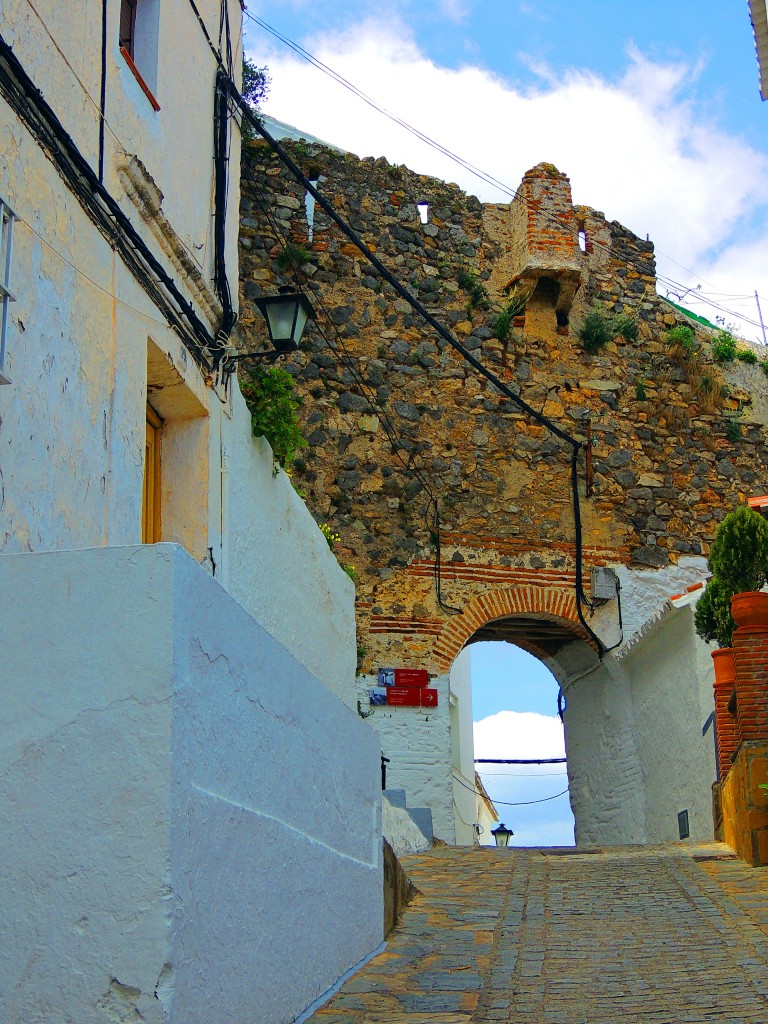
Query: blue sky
{"type": "Point", "coordinates": [514, 706]}
{"type": "Point", "coordinates": [652, 110]}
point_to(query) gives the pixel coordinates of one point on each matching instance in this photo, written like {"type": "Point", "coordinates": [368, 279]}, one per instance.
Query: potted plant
{"type": "Point", "coordinates": [739, 565]}
{"type": "Point", "coordinates": [713, 621]}
{"type": "Point", "coordinates": [739, 559]}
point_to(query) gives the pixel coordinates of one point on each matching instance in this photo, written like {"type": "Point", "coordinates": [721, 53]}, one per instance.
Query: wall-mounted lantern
{"type": "Point", "coordinates": [502, 834]}
{"type": "Point", "coordinates": [286, 314]}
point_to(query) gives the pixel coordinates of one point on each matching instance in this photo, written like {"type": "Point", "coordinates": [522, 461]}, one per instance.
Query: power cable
{"type": "Point", "coordinates": [444, 333]}
{"type": "Point", "coordinates": [438, 147]}
{"type": "Point", "coordinates": [377, 406]}
{"type": "Point", "coordinates": [508, 803]}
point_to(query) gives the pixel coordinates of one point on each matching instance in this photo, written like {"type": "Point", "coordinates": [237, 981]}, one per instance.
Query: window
{"type": "Point", "coordinates": [139, 32]}
{"type": "Point", "coordinates": [128, 26]}
{"type": "Point", "coordinates": [7, 217]}
{"type": "Point", "coordinates": [150, 506]}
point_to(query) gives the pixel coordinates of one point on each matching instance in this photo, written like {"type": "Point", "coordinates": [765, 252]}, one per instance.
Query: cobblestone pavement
{"type": "Point", "coordinates": [664, 935]}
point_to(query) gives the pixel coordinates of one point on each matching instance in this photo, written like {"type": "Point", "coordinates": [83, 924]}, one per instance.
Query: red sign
{"type": "Point", "coordinates": [428, 698]}
{"type": "Point", "coordinates": [411, 677]}
{"type": "Point", "coordinates": [404, 696]}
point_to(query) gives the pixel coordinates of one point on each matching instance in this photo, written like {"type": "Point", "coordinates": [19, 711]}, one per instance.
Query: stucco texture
{"type": "Point", "coordinates": [187, 813]}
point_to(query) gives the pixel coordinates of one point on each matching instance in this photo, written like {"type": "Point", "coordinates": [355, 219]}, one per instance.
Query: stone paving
{"type": "Point", "coordinates": [665, 935]}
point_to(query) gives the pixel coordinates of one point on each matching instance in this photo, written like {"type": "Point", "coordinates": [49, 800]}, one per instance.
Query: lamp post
{"type": "Point", "coordinates": [286, 314]}
{"type": "Point", "coordinates": [502, 834]}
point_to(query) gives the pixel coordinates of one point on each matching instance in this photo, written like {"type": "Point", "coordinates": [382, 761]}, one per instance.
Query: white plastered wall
{"type": "Point", "coordinates": [463, 750]}
{"type": "Point", "coordinates": [633, 724]}
{"type": "Point", "coordinates": [417, 742]}
{"type": "Point", "coordinates": [185, 809]}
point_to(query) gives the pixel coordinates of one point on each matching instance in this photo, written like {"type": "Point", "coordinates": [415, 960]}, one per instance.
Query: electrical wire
{"type": "Point", "coordinates": [444, 333]}
{"type": "Point", "coordinates": [378, 407]}
{"type": "Point", "coordinates": [508, 803]}
{"type": "Point", "coordinates": [438, 147]}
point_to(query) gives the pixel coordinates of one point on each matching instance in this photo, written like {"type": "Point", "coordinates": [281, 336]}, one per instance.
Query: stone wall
{"type": "Point", "coordinates": [409, 447]}
{"type": "Point", "coordinates": [394, 416]}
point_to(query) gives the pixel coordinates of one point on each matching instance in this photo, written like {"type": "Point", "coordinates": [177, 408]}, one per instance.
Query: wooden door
{"type": "Point", "coordinates": [150, 511]}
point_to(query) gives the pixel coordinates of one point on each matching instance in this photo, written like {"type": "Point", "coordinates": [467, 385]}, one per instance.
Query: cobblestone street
{"type": "Point", "coordinates": [613, 936]}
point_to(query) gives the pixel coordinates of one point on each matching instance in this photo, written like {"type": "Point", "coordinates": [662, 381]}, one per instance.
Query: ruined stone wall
{"type": "Point", "coordinates": [395, 418]}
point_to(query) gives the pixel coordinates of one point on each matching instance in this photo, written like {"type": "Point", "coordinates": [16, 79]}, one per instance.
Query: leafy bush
{"type": "Point", "coordinates": [724, 347]}
{"type": "Point", "coordinates": [739, 555]}
{"type": "Point", "coordinates": [596, 330]}
{"type": "Point", "coordinates": [270, 397]}
{"type": "Point", "coordinates": [256, 84]}
{"type": "Point", "coordinates": [683, 338]}
{"type": "Point", "coordinates": [712, 618]}
{"type": "Point", "coordinates": [746, 355]}
{"type": "Point", "coordinates": [733, 429]}
{"type": "Point", "coordinates": [293, 256]}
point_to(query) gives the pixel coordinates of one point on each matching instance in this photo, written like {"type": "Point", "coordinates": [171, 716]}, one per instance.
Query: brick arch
{"type": "Point", "coordinates": [549, 602]}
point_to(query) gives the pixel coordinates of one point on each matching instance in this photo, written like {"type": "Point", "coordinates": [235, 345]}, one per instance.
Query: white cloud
{"type": "Point", "coordinates": [637, 148]}
{"type": "Point", "coordinates": [522, 735]}
{"type": "Point", "coordinates": [521, 793]}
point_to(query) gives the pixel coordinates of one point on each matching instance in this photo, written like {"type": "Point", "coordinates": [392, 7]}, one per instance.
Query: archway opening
{"type": "Point", "coordinates": [515, 717]}
{"type": "Point", "coordinates": [508, 703]}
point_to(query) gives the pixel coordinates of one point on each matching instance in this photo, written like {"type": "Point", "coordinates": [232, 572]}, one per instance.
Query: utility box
{"type": "Point", "coordinates": [604, 584]}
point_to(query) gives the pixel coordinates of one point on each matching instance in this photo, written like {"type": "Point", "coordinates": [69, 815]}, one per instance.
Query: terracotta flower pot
{"type": "Point", "coordinates": [750, 608]}
{"type": "Point", "coordinates": [725, 666]}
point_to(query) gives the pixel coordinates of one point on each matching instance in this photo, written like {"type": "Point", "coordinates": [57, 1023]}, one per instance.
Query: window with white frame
{"type": "Point", "coordinates": [7, 217]}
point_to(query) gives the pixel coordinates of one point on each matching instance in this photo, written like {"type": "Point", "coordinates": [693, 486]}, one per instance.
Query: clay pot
{"type": "Point", "coordinates": [725, 666]}
{"type": "Point", "coordinates": [750, 608]}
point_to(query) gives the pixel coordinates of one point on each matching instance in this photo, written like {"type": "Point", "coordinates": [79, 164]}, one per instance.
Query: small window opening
{"type": "Point", "coordinates": [7, 218]}
{"type": "Point", "coordinates": [128, 26]}
{"type": "Point", "coordinates": [309, 205]}
{"type": "Point", "coordinates": [583, 239]}
{"type": "Point", "coordinates": [423, 209]}
{"type": "Point", "coordinates": [139, 35]}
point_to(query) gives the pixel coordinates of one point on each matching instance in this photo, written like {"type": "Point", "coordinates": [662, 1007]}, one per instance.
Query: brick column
{"type": "Point", "coordinates": [726, 727]}
{"type": "Point", "coordinates": [750, 644]}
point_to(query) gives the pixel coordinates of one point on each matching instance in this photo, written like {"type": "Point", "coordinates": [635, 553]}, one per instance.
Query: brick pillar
{"type": "Point", "coordinates": [726, 726]}
{"type": "Point", "coordinates": [750, 644]}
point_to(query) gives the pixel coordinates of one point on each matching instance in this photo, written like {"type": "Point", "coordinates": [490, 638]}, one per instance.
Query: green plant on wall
{"type": "Point", "coordinates": [595, 330]}
{"type": "Point", "coordinates": [478, 293]}
{"type": "Point", "coordinates": [293, 256]}
{"type": "Point", "coordinates": [516, 305]}
{"type": "Point", "coordinates": [746, 355]}
{"type": "Point", "coordinates": [274, 407]}
{"type": "Point", "coordinates": [724, 347]}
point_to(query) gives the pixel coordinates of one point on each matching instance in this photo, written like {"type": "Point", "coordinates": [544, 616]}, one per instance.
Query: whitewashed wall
{"type": "Point", "coordinates": [418, 743]}
{"type": "Point", "coordinates": [186, 813]}
{"type": "Point", "coordinates": [633, 726]}
{"type": "Point", "coordinates": [463, 751]}
{"type": "Point", "coordinates": [277, 563]}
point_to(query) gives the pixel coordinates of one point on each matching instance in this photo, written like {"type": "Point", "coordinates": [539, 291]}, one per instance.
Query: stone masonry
{"type": "Point", "coordinates": [400, 426]}
{"type": "Point", "coordinates": [605, 936]}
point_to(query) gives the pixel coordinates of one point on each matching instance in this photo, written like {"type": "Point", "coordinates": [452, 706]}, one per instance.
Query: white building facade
{"type": "Point", "coordinates": [180, 642]}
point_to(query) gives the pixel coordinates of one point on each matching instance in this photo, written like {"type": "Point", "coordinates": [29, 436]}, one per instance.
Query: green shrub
{"type": "Point", "coordinates": [293, 256]}
{"type": "Point", "coordinates": [746, 355]}
{"type": "Point", "coordinates": [269, 394]}
{"type": "Point", "coordinates": [596, 330]}
{"type": "Point", "coordinates": [640, 393]}
{"type": "Point", "coordinates": [733, 429]}
{"type": "Point", "coordinates": [515, 307]}
{"type": "Point", "coordinates": [712, 618]}
{"type": "Point", "coordinates": [724, 347]}
{"type": "Point", "coordinates": [683, 337]}
{"type": "Point", "coordinates": [739, 555]}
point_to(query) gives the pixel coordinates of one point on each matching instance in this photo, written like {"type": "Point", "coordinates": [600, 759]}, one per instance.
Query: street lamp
{"type": "Point", "coordinates": [286, 314]}
{"type": "Point", "coordinates": [502, 834]}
